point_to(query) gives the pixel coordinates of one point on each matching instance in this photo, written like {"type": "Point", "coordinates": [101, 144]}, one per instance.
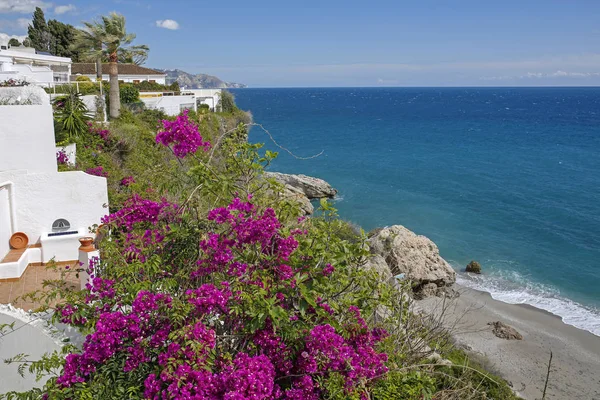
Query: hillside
{"type": "Point", "coordinates": [198, 81]}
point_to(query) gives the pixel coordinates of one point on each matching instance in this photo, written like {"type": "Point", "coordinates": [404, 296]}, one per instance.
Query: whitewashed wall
{"type": "Point", "coordinates": [30, 73]}
{"type": "Point", "coordinates": [210, 97]}
{"type": "Point", "coordinates": [40, 199]}
{"type": "Point", "coordinates": [5, 229]}
{"type": "Point", "coordinates": [171, 105]}
{"type": "Point", "coordinates": [41, 194]}
{"type": "Point", "coordinates": [130, 78]}
{"type": "Point", "coordinates": [27, 138]}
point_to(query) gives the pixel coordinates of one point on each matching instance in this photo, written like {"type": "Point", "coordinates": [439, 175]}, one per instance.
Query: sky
{"type": "Point", "coordinates": [331, 43]}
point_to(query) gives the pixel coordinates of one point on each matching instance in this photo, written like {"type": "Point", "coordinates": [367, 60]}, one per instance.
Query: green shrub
{"type": "Point", "coordinates": [227, 102]}
{"type": "Point", "coordinates": [71, 116]}
{"type": "Point", "coordinates": [129, 93]}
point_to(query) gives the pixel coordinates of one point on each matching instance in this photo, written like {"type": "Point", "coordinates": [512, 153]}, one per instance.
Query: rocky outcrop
{"type": "Point", "coordinates": [297, 195]}
{"type": "Point", "coordinates": [313, 188]}
{"type": "Point", "coordinates": [504, 331]}
{"type": "Point", "coordinates": [473, 267]}
{"type": "Point", "coordinates": [377, 263]}
{"type": "Point", "coordinates": [414, 256]}
{"type": "Point", "coordinates": [197, 81]}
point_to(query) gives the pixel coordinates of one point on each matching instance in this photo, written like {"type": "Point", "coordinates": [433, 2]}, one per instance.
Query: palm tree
{"type": "Point", "coordinates": [88, 42]}
{"type": "Point", "coordinates": [108, 39]}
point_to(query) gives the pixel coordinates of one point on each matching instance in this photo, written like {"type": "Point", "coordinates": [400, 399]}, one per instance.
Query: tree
{"type": "Point", "coordinates": [38, 32]}
{"type": "Point", "coordinates": [61, 39]}
{"type": "Point", "coordinates": [133, 57]}
{"type": "Point", "coordinates": [13, 42]}
{"type": "Point", "coordinates": [109, 38]}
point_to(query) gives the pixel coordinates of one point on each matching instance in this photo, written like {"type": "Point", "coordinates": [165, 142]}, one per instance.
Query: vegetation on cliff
{"type": "Point", "coordinates": [211, 285]}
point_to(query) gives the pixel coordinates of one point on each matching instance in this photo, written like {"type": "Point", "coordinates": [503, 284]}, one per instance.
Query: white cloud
{"type": "Point", "coordinates": [23, 23]}
{"type": "Point", "coordinates": [21, 6]}
{"type": "Point", "coordinates": [541, 75]}
{"type": "Point", "coordinates": [4, 38]}
{"type": "Point", "coordinates": [64, 9]}
{"type": "Point", "coordinates": [18, 24]}
{"type": "Point", "coordinates": [167, 24]}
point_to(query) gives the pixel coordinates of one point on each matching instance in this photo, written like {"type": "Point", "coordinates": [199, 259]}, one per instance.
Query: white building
{"type": "Point", "coordinates": [129, 73]}
{"type": "Point", "coordinates": [169, 102]}
{"type": "Point", "coordinates": [210, 97]}
{"type": "Point", "coordinates": [53, 209]}
{"type": "Point", "coordinates": [24, 63]}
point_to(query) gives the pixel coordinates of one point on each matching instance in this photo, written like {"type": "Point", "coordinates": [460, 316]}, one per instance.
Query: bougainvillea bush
{"type": "Point", "coordinates": [211, 286]}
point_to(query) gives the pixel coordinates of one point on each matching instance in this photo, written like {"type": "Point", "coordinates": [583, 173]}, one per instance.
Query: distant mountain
{"type": "Point", "coordinates": [198, 81]}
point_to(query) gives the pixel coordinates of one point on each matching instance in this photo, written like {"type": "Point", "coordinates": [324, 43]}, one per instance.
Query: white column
{"type": "Point", "coordinates": [89, 257]}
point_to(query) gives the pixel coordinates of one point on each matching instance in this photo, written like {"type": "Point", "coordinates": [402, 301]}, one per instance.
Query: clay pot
{"type": "Point", "coordinates": [87, 244]}
{"type": "Point", "coordinates": [19, 240]}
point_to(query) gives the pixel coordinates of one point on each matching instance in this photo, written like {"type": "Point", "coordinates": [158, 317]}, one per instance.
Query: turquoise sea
{"type": "Point", "coordinates": [506, 176]}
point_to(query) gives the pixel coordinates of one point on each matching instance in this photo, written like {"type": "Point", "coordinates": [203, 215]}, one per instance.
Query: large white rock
{"type": "Point", "coordinates": [313, 188]}
{"type": "Point", "coordinates": [415, 256]}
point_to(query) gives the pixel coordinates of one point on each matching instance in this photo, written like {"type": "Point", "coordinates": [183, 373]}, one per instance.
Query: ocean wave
{"type": "Point", "coordinates": [514, 288]}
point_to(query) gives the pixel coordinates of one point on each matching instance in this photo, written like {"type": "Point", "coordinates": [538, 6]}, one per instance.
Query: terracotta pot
{"type": "Point", "coordinates": [18, 240]}
{"type": "Point", "coordinates": [87, 244]}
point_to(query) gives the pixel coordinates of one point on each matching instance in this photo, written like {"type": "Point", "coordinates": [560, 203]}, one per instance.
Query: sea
{"type": "Point", "coordinates": [509, 177]}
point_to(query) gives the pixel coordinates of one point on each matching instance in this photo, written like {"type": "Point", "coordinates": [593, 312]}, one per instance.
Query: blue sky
{"type": "Point", "coordinates": [348, 43]}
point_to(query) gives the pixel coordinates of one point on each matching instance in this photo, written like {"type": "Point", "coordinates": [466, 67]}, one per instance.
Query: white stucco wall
{"type": "Point", "coordinates": [41, 199]}
{"type": "Point", "coordinates": [5, 230]}
{"type": "Point", "coordinates": [171, 105]}
{"type": "Point", "coordinates": [130, 78]}
{"type": "Point", "coordinates": [39, 193]}
{"type": "Point", "coordinates": [210, 97]}
{"type": "Point", "coordinates": [27, 138]}
{"type": "Point", "coordinates": [71, 152]}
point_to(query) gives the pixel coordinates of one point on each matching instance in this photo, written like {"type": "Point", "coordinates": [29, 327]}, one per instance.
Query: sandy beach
{"type": "Point", "coordinates": [575, 370]}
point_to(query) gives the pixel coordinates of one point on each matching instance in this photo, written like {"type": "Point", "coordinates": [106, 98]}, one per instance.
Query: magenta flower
{"type": "Point", "coordinates": [61, 157]}
{"type": "Point", "coordinates": [182, 134]}
{"type": "Point", "coordinates": [97, 171]}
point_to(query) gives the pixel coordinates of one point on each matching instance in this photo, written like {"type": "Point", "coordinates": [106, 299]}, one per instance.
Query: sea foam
{"type": "Point", "coordinates": [514, 288]}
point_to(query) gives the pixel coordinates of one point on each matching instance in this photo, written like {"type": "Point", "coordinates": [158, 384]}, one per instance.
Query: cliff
{"type": "Point", "coordinates": [198, 81]}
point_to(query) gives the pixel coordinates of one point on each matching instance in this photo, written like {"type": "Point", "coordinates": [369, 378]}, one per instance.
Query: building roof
{"type": "Point", "coordinates": [124, 69]}
{"type": "Point", "coordinates": [25, 54]}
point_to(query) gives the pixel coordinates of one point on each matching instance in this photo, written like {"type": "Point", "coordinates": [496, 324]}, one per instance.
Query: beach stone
{"type": "Point", "coordinates": [504, 331]}
{"type": "Point", "coordinates": [415, 256]}
{"type": "Point", "coordinates": [473, 267]}
{"type": "Point", "coordinates": [313, 188]}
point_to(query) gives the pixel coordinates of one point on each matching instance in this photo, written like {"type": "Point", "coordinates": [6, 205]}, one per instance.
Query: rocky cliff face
{"type": "Point", "coordinates": [395, 250]}
{"type": "Point", "coordinates": [415, 256]}
{"type": "Point", "coordinates": [198, 81]}
{"type": "Point", "coordinates": [313, 188]}
{"type": "Point", "coordinates": [302, 189]}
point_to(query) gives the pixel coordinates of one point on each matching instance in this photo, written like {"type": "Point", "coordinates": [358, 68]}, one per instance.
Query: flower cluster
{"type": "Point", "coordinates": [242, 328]}
{"type": "Point", "coordinates": [62, 157]}
{"type": "Point", "coordinates": [144, 224]}
{"type": "Point", "coordinates": [97, 171]}
{"type": "Point", "coordinates": [182, 134]}
{"type": "Point", "coordinates": [136, 210]}
{"type": "Point", "coordinates": [97, 130]}
{"type": "Point", "coordinates": [127, 181]}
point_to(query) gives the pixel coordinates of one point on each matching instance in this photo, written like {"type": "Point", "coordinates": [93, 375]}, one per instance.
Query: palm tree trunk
{"type": "Point", "coordinates": [99, 69]}
{"type": "Point", "coordinates": [113, 95]}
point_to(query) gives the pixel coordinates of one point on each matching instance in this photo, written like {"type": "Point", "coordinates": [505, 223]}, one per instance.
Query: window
{"type": "Point", "coordinates": [136, 81]}
{"type": "Point", "coordinates": [152, 81]}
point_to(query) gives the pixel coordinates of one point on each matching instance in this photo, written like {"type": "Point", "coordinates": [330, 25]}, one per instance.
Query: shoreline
{"type": "Point", "coordinates": [523, 363]}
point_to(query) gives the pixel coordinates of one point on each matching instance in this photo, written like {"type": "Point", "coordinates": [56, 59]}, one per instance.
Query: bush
{"type": "Point", "coordinates": [85, 85]}
{"type": "Point", "coordinates": [71, 117]}
{"type": "Point", "coordinates": [227, 102]}
{"type": "Point", "coordinates": [129, 93]}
